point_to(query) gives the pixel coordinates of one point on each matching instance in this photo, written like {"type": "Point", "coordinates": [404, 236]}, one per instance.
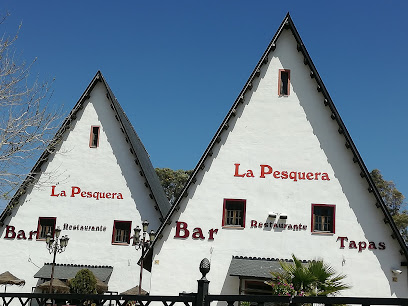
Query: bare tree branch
{"type": "Point", "coordinates": [27, 124]}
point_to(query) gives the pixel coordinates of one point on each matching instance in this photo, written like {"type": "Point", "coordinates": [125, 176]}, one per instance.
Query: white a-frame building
{"type": "Point", "coordinates": [96, 183]}
{"type": "Point", "coordinates": [281, 176]}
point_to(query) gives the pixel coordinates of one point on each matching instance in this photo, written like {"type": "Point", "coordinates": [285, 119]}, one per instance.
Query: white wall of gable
{"type": "Point", "coordinates": [108, 168]}
{"type": "Point", "coordinates": [293, 133]}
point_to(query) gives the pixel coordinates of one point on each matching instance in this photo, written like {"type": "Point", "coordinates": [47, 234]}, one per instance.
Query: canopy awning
{"type": "Point", "coordinates": [58, 286]}
{"type": "Point", "coordinates": [7, 278]}
{"type": "Point", "coordinates": [254, 267]}
{"type": "Point", "coordinates": [68, 271]}
{"type": "Point", "coordinates": [134, 291]}
{"type": "Point", "coordinates": [101, 287]}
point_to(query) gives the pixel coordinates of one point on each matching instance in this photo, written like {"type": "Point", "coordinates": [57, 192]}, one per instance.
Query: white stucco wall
{"type": "Point", "coordinates": [108, 168]}
{"type": "Point", "coordinates": [293, 133]}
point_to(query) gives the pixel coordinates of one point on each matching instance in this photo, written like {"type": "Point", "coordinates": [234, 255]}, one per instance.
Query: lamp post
{"type": "Point", "coordinates": [143, 244]}
{"type": "Point", "coordinates": [55, 245]}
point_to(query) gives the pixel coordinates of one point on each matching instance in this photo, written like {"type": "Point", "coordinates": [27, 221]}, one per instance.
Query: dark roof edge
{"type": "Point", "coordinates": [349, 141]}
{"type": "Point", "coordinates": [153, 183]}
{"type": "Point", "coordinates": [287, 23]}
{"type": "Point", "coordinates": [268, 259]}
{"type": "Point", "coordinates": [200, 165]}
{"type": "Point", "coordinates": [77, 265]}
{"type": "Point", "coordinates": [44, 156]}
{"type": "Point", "coordinates": [141, 156]}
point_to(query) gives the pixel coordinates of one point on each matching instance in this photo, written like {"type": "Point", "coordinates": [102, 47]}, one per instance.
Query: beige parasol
{"type": "Point", "coordinates": [7, 278]}
{"type": "Point", "coordinates": [58, 286]}
{"type": "Point", "coordinates": [134, 291]}
{"type": "Point", "coordinates": [101, 287]}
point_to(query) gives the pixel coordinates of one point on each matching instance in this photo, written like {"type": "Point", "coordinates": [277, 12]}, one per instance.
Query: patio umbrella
{"type": "Point", "coordinates": [134, 291]}
{"type": "Point", "coordinates": [7, 278]}
{"type": "Point", "coordinates": [101, 287]}
{"type": "Point", "coordinates": [58, 286]}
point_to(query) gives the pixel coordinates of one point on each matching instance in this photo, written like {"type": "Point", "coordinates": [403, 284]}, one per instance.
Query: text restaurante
{"type": "Point", "coordinates": [293, 175]}
{"type": "Point", "coordinates": [76, 191]}
{"type": "Point", "coordinates": [78, 227]}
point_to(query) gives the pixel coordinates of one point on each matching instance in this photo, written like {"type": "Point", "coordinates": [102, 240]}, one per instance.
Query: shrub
{"type": "Point", "coordinates": [84, 282]}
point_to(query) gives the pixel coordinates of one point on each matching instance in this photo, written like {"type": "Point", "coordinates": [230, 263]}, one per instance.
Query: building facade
{"type": "Point", "coordinates": [96, 183]}
{"type": "Point", "coordinates": [281, 176]}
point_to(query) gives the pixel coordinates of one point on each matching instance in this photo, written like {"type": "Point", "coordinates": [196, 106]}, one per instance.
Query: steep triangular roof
{"type": "Point", "coordinates": [136, 148]}
{"type": "Point", "coordinates": [288, 24]}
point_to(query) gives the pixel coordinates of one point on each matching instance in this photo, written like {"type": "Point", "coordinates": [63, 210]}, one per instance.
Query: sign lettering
{"type": "Point", "coordinates": [267, 170]}
{"type": "Point", "coordinates": [361, 245]}
{"type": "Point", "coordinates": [87, 228]}
{"type": "Point", "coordinates": [290, 227]}
{"type": "Point", "coordinates": [182, 232]}
{"type": "Point", "coordinates": [77, 192]}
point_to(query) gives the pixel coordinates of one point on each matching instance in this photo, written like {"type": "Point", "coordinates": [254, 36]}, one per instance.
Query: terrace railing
{"type": "Point", "coordinates": [47, 299]}
{"type": "Point", "coordinates": [31, 299]}
{"type": "Point", "coordinates": [200, 298]}
{"type": "Point", "coordinates": [263, 300]}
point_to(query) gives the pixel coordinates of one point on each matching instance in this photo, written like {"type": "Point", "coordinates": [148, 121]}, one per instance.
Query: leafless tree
{"type": "Point", "coordinates": [27, 124]}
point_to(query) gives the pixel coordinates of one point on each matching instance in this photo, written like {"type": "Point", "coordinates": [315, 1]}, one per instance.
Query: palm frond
{"type": "Point", "coordinates": [312, 279]}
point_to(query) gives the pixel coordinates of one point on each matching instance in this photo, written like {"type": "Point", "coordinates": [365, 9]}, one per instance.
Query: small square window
{"type": "Point", "coordinates": [94, 139]}
{"type": "Point", "coordinates": [121, 232]}
{"type": "Point", "coordinates": [323, 218]}
{"type": "Point", "coordinates": [234, 213]}
{"type": "Point", "coordinates": [45, 225]}
{"type": "Point", "coordinates": [284, 82]}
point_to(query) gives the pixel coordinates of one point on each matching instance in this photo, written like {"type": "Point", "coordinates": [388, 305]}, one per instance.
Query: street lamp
{"type": "Point", "coordinates": [142, 244]}
{"type": "Point", "coordinates": [55, 245]}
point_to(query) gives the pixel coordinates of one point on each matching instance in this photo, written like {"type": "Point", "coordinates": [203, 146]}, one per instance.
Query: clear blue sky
{"type": "Point", "coordinates": [176, 67]}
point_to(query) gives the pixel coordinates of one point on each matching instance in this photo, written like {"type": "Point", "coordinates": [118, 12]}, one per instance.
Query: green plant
{"type": "Point", "coordinates": [312, 279]}
{"type": "Point", "coordinates": [84, 282]}
{"type": "Point", "coordinates": [281, 286]}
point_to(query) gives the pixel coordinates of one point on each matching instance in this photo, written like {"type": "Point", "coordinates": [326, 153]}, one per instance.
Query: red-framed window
{"type": "Point", "coordinates": [94, 137]}
{"type": "Point", "coordinates": [121, 232]}
{"type": "Point", "coordinates": [284, 82]}
{"type": "Point", "coordinates": [234, 213]}
{"type": "Point", "coordinates": [45, 225]}
{"type": "Point", "coordinates": [323, 218]}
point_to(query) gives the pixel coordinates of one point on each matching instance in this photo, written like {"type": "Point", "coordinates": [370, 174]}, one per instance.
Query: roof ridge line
{"type": "Point", "coordinates": [287, 23]}
{"type": "Point", "coordinates": [77, 265]}
{"type": "Point", "coordinates": [157, 194]}
{"type": "Point", "coordinates": [156, 190]}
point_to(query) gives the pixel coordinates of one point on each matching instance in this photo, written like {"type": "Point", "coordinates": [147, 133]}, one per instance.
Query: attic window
{"type": "Point", "coordinates": [284, 82]}
{"type": "Point", "coordinates": [323, 218]}
{"type": "Point", "coordinates": [94, 138]}
{"type": "Point", "coordinates": [45, 225]}
{"type": "Point", "coordinates": [121, 232]}
{"type": "Point", "coordinates": [234, 213]}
